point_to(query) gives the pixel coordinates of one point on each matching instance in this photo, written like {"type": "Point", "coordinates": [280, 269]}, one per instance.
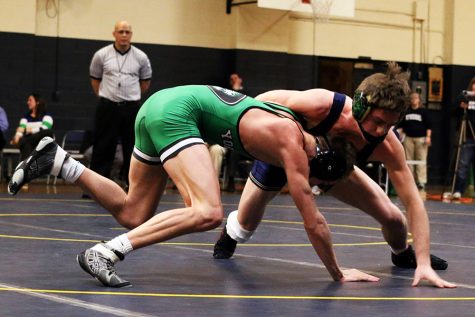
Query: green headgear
{"type": "Point", "coordinates": [361, 106]}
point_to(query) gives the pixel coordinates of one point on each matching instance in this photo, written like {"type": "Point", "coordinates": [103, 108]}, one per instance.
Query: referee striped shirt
{"type": "Point", "coordinates": [120, 73]}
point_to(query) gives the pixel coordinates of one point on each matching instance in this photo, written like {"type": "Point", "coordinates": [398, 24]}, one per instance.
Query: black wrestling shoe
{"type": "Point", "coordinates": [47, 158]}
{"type": "Point", "coordinates": [100, 265]}
{"type": "Point", "coordinates": [407, 260]}
{"type": "Point", "coordinates": [225, 246]}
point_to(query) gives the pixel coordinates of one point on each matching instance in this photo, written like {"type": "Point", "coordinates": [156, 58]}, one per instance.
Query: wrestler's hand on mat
{"type": "Point", "coordinates": [425, 272]}
{"type": "Point", "coordinates": [354, 275]}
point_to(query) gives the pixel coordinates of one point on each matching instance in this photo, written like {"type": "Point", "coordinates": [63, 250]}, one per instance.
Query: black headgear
{"type": "Point", "coordinates": [327, 165]}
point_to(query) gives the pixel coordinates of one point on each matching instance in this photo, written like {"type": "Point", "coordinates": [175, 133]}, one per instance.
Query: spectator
{"type": "Point", "coordinates": [233, 158]}
{"type": "Point", "coordinates": [3, 127]}
{"type": "Point", "coordinates": [217, 153]}
{"type": "Point", "coordinates": [120, 74]}
{"type": "Point", "coordinates": [235, 83]}
{"type": "Point", "coordinates": [35, 125]}
{"type": "Point", "coordinates": [415, 130]}
{"type": "Point", "coordinates": [465, 110]}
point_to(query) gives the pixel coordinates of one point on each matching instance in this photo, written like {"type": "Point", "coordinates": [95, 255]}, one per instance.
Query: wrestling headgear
{"type": "Point", "coordinates": [327, 165]}
{"type": "Point", "coordinates": [361, 106]}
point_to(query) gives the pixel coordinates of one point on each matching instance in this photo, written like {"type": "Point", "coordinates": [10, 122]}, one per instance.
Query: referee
{"type": "Point", "coordinates": [120, 74]}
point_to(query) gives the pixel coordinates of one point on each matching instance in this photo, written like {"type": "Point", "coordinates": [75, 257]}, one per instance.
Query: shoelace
{"type": "Point", "coordinates": [100, 262]}
{"type": "Point", "coordinates": [33, 170]}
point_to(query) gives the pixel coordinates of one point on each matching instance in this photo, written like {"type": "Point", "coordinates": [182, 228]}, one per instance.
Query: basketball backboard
{"type": "Point", "coordinates": [342, 8]}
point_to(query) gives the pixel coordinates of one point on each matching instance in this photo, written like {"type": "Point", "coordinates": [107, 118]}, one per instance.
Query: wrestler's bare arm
{"type": "Point", "coordinates": [391, 154]}
{"type": "Point", "coordinates": [295, 162]}
{"type": "Point", "coordinates": [278, 96]}
{"type": "Point", "coordinates": [313, 104]}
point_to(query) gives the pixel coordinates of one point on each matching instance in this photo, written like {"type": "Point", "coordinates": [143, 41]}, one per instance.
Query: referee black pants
{"type": "Point", "coordinates": [114, 121]}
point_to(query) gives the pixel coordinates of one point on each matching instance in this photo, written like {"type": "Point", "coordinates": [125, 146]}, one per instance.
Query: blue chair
{"type": "Point", "coordinates": [73, 143]}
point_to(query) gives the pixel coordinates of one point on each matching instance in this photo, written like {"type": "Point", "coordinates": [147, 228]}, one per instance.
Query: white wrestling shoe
{"type": "Point", "coordinates": [99, 263]}
{"type": "Point", "coordinates": [47, 158]}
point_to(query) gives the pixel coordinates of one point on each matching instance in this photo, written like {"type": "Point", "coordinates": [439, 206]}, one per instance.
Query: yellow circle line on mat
{"type": "Point", "coordinates": [54, 215]}
{"type": "Point", "coordinates": [197, 243]}
{"type": "Point", "coordinates": [47, 200]}
{"type": "Point", "coordinates": [107, 215]}
{"type": "Point", "coordinates": [274, 244]}
{"type": "Point", "coordinates": [47, 239]}
{"type": "Point", "coordinates": [290, 222]}
{"type": "Point", "coordinates": [163, 202]}
{"type": "Point", "coordinates": [138, 294]}
{"type": "Point", "coordinates": [331, 225]}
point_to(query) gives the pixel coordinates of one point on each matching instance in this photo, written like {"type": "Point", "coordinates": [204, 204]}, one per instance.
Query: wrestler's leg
{"type": "Point", "coordinates": [193, 173]}
{"type": "Point", "coordinates": [264, 183]}
{"type": "Point", "coordinates": [252, 205]}
{"type": "Point", "coordinates": [372, 200]}
{"type": "Point", "coordinates": [146, 186]}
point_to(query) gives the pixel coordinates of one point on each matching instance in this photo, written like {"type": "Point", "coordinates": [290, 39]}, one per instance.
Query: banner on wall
{"type": "Point", "coordinates": [436, 84]}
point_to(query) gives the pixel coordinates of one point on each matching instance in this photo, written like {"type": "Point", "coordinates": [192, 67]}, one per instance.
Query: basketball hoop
{"type": "Point", "coordinates": [320, 9]}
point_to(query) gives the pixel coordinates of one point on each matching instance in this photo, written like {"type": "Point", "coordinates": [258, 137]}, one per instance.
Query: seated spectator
{"type": "Point", "coordinates": [3, 127]}
{"type": "Point", "coordinates": [35, 125]}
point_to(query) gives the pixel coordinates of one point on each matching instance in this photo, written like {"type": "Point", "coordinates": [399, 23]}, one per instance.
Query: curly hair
{"type": "Point", "coordinates": [389, 91]}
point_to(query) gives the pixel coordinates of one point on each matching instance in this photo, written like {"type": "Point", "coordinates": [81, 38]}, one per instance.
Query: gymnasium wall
{"type": "Point", "coordinates": [47, 46]}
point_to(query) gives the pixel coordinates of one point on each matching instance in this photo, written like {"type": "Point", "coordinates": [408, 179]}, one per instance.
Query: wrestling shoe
{"type": "Point", "coordinates": [47, 158]}
{"type": "Point", "coordinates": [99, 263]}
{"type": "Point", "coordinates": [457, 195]}
{"type": "Point", "coordinates": [225, 246]}
{"type": "Point", "coordinates": [407, 260]}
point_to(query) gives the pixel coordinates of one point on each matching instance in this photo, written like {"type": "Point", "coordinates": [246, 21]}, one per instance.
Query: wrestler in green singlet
{"type": "Point", "coordinates": [173, 119]}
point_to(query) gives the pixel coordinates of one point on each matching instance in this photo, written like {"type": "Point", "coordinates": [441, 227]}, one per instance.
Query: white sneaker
{"type": "Point", "coordinates": [316, 191]}
{"type": "Point", "coordinates": [457, 195]}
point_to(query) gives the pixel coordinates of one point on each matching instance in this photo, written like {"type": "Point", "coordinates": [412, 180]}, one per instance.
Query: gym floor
{"type": "Point", "coordinates": [276, 274]}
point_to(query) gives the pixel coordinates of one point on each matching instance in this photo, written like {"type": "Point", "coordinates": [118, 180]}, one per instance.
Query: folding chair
{"type": "Point", "coordinates": [73, 143]}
